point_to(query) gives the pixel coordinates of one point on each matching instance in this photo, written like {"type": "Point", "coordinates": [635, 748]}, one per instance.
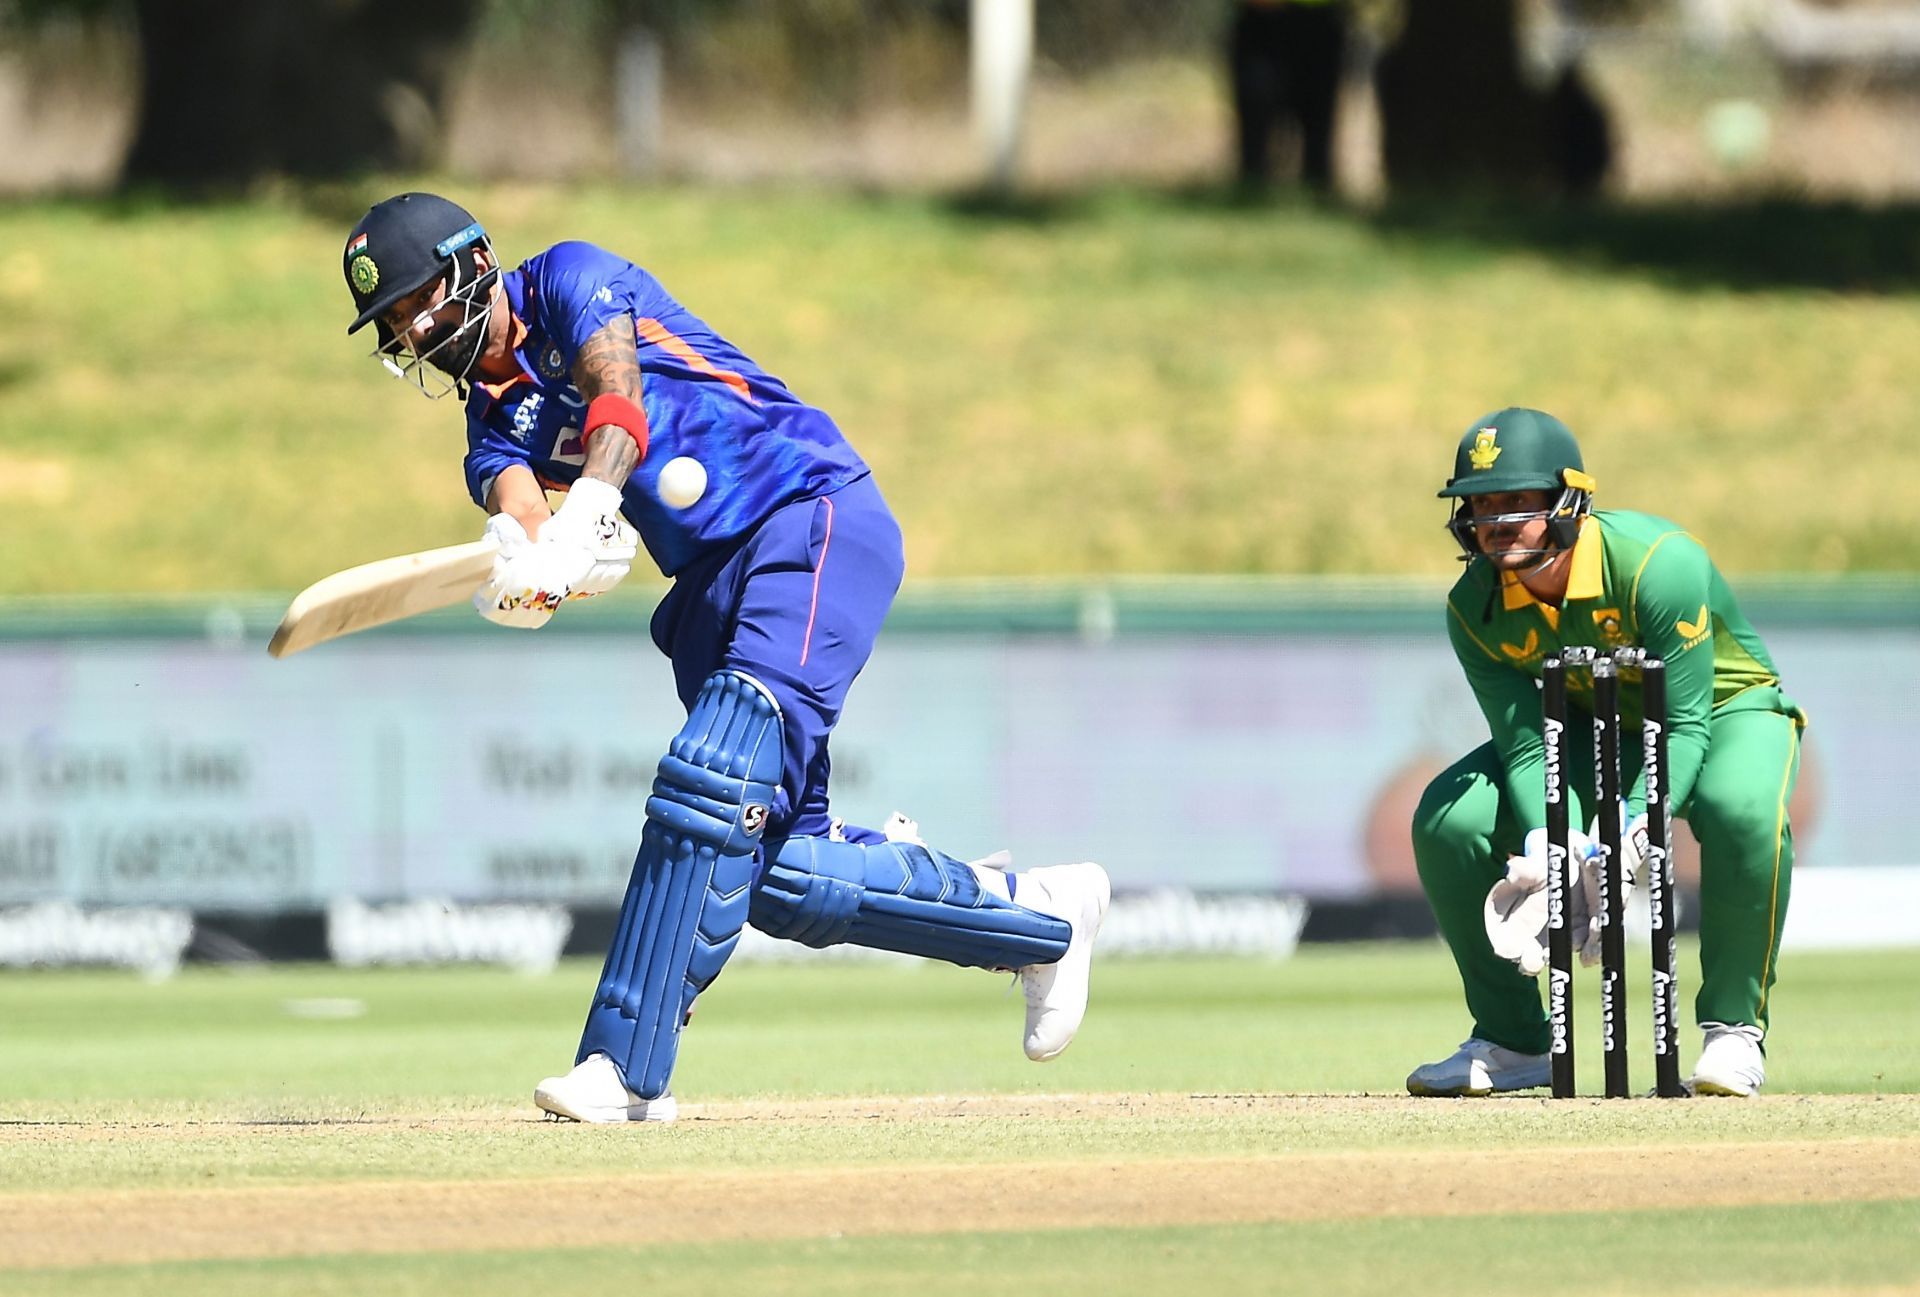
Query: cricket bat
{"type": "Point", "coordinates": [376, 593]}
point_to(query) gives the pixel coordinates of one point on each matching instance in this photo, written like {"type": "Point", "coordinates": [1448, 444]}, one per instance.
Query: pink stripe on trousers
{"type": "Point", "coordinates": [813, 609]}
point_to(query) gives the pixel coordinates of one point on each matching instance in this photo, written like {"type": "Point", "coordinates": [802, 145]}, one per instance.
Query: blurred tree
{"type": "Point", "coordinates": [1456, 115]}
{"type": "Point", "coordinates": [230, 91]}
{"type": "Point", "coordinates": [296, 87]}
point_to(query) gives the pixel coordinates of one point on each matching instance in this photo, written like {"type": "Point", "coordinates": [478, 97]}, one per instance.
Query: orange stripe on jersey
{"type": "Point", "coordinates": [674, 345]}
{"type": "Point", "coordinates": [498, 390]}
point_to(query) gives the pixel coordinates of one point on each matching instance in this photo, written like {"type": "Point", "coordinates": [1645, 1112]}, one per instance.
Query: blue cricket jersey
{"type": "Point", "coordinates": [762, 446]}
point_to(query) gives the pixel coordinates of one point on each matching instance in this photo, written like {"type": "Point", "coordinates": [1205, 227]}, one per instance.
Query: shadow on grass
{"type": "Point", "coordinates": [1747, 244]}
{"type": "Point", "coordinates": [1062, 207]}
{"type": "Point", "coordinates": [340, 203]}
{"type": "Point", "coordinates": [1755, 244]}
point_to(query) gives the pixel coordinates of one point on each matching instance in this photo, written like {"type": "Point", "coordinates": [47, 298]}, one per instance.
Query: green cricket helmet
{"type": "Point", "coordinates": [1517, 449]}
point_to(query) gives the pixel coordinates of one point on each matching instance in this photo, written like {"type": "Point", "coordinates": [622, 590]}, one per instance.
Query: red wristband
{"type": "Point", "coordinates": [610, 409]}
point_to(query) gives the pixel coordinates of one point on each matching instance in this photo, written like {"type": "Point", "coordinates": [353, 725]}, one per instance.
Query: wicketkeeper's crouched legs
{"type": "Point", "coordinates": [1462, 836]}
{"type": "Point", "coordinates": [687, 900]}
{"type": "Point", "coordinates": [1738, 811]}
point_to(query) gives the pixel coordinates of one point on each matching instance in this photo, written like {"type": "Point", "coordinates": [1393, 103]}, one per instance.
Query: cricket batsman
{"type": "Point", "coordinates": [1545, 571]}
{"type": "Point", "coordinates": [580, 373]}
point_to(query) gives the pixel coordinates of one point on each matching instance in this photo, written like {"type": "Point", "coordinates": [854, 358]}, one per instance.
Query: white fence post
{"type": "Point", "coordinates": [1002, 32]}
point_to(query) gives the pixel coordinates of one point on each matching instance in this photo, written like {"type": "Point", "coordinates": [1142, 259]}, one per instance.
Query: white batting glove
{"type": "Point", "coordinates": [584, 549]}
{"type": "Point", "coordinates": [612, 560]}
{"type": "Point", "coordinates": [589, 521]}
{"type": "Point", "coordinates": [515, 592]}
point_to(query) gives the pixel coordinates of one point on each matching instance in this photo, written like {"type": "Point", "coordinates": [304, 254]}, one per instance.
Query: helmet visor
{"type": "Point", "coordinates": [436, 354]}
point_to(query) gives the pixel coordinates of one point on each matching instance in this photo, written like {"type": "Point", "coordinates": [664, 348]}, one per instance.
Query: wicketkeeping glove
{"type": "Point", "coordinates": [1588, 920]}
{"type": "Point", "coordinates": [1516, 908]}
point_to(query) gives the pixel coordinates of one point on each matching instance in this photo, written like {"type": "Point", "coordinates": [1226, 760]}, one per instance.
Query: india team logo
{"type": "Point", "coordinates": [553, 362]}
{"type": "Point", "coordinates": [1484, 452]}
{"type": "Point", "coordinates": [364, 274]}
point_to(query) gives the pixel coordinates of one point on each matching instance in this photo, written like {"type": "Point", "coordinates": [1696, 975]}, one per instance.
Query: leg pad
{"type": "Point", "coordinates": [687, 899]}
{"type": "Point", "coordinates": [898, 896]}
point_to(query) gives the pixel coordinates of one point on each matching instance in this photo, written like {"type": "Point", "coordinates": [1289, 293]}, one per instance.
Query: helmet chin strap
{"type": "Point", "coordinates": [1547, 558]}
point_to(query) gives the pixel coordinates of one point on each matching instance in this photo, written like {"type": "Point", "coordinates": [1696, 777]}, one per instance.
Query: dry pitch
{"type": "Point", "coordinates": [206, 1141]}
{"type": "Point", "coordinates": [120, 1226]}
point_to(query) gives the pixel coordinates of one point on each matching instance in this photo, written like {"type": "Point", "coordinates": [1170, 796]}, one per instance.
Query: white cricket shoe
{"type": "Point", "coordinates": [1057, 992]}
{"type": "Point", "coordinates": [1731, 1062]}
{"type": "Point", "coordinates": [1478, 1068]}
{"type": "Point", "coordinates": [595, 1091]}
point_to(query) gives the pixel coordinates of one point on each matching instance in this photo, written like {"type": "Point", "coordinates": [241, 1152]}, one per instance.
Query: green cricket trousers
{"type": "Point", "coordinates": [1464, 830]}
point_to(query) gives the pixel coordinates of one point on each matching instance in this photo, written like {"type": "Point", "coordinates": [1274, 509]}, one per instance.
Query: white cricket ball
{"type": "Point", "coordinates": [682, 482]}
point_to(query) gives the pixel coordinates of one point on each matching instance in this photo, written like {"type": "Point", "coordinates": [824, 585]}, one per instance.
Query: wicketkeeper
{"type": "Point", "coordinates": [1545, 571]}
{"type": "Point", "coordinates": [580, 373]}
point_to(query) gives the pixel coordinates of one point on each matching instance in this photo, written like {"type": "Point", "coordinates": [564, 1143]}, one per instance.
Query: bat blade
{"type": "Point", "coordinates": [385, 590]}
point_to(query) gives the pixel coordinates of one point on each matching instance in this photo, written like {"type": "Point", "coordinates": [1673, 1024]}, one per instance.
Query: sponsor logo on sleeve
{"type": "Point", "coordinates": [1693, 632]}
{"type": "Point", "coordinates": [1525, 651]}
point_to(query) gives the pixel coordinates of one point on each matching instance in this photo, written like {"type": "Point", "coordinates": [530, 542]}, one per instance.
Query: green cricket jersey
{"type": "Point", "coordinates": [1637, 581]}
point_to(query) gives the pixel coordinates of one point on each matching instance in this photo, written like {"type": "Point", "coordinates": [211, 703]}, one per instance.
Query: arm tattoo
{"type": "Point", "coordinates": [609, 361]}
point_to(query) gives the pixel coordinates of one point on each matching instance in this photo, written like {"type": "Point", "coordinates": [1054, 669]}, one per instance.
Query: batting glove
{"type": "Point", "coordinates": [516, 591]}
{"type": "Point", "coordinates": [589, 522]}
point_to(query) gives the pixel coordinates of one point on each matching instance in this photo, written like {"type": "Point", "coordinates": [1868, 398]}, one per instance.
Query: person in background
{"type": "Point", "coordinates": [1284, 58]}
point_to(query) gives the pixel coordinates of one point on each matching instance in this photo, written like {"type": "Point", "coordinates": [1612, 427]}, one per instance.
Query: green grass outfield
{"type": "Point", "coordinates": [229, 1092]}
{"type": "Point", "coordinates": [1119, 382]}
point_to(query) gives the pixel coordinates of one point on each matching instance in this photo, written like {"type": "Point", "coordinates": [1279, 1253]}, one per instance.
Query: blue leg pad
{"type": "Point", "coordinates": [898, 896]}
{"type": "Point", "coordinates": [687, 900]}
